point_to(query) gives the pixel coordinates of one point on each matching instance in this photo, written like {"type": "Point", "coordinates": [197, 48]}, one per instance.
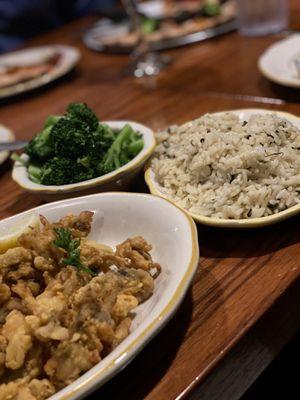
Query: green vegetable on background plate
{"type": "Point", "coordinates": [76, 147]}
{"type": "Point", "coordinates": [148, 25]}
{"type": "Point", "coordinates": [211, 8]}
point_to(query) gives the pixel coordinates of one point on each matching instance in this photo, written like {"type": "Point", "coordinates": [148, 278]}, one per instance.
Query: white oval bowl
{"type": "Point", "coordinates": [243, 114]}
{"type": "Point", "coordinates": [173, 236]}
{"type": "Point", "coordinates": [115, 180]}
{"type": "Point", "coordinates": [276, 63]}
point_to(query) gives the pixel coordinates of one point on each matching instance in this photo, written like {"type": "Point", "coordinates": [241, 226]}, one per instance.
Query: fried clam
{"type": "Point", "coordinates": [65, 303]}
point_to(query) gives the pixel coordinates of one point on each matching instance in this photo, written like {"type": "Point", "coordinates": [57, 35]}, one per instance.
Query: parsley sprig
{"type": "Point", "coordinates": [65, 241]}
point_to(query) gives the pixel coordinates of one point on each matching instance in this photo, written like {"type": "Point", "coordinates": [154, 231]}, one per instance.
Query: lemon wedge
{"type": "Point", "coordinates": [9, 236]}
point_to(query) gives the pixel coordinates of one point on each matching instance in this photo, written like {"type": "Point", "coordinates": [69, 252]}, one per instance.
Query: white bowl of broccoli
{"type": "Point", "coordinates": [75, 154]}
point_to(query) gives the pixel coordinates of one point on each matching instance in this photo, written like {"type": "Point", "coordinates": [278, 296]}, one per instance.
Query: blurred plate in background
{"type": "Point", "coordinates": [30, 68]}
{"type": "Point", "coordinates": [165, 33]}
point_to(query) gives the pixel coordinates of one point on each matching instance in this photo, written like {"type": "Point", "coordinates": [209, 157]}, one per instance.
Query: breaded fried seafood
{"type": "Point", "coordinates": [65, 303]}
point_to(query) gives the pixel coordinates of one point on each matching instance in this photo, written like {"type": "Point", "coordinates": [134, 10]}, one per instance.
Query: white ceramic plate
{"type": "Point", "coordinates": [6, 135]}
{"type": "Point", "coordinates": [244, 115]}
{"type": "Point", "coordinates": [69, 58]}
{"type": "Point", "coordinates": [277, 62]}
{"type": "Point", "coordinates": [174, 238]}
{"type": "Point", "coordinates": [118, 179]}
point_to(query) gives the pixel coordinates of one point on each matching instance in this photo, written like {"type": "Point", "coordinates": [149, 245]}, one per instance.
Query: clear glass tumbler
{"type": "Point", "coordinates": [262, 17]}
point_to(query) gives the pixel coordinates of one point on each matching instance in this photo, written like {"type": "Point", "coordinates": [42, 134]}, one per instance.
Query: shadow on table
{"type": "Point", "coordinates": [289, 94]}
{"type": "Point", "coordinates": [255, 242]}
{"type": "Point", "coordinates": [148, 368]}
{"type": "Point", "coordinates": [279, 327]}
{"type": "Point", "coordinates": [5, 167]}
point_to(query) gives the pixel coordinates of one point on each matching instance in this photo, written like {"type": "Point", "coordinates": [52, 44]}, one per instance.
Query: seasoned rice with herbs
{"type": "Point", "coordinates": [223, 167]}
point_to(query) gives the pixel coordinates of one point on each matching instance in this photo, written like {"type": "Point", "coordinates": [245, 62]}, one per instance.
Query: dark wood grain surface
{"type": "Point", "coordinates": [241, 308]}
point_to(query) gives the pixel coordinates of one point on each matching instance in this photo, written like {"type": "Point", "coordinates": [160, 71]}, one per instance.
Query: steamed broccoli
{"type": "Point", "coordinates": [69, 139]}
{"type": "Point", "coordinates": [61, 171]}
{"type": "Point", "coordinates": [55, 171]}
{"type": "Point", "coordinates": [126, 145]}
{"type": "Point", "coordinates": [76, 147]}
{"type": "Point", "coordinates": [40, 148]}
{"type": "Point", "coordinates": [83, 116]}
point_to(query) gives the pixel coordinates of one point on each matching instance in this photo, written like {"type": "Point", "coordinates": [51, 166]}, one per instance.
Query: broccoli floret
{"type": "Point", "coordinates": [81, 173]}
{"type": "Point", "coordinates": [73, 137]}
{"type": "Point", "coordinates": [61, 171]}
{"type": "Point", "coordinates": [69, 139]}
{"type": "Point", "coordinates": [40, 148]}
{"type": "Point", "coordinates": [56, 171]}
{"type": "Point", "coordinates": [83, 115]}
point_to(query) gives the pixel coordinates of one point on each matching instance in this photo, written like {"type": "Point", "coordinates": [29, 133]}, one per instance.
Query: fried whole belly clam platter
{"type": "Point", "coordinates": [85, 286]}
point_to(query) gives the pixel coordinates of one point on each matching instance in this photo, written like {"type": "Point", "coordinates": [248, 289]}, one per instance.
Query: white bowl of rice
{"type": "Point", "coordinates": [239, 168]}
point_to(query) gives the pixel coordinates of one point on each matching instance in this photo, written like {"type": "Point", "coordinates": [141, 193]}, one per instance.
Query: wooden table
{"type": "Point", "coordinates": [243, 306]}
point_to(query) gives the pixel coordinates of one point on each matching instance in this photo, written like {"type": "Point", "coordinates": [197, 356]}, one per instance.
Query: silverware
{"type": "Point", "coordinates": [10, 146]}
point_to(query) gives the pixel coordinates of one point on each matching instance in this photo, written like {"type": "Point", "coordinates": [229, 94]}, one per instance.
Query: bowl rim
{"type": "Point", "coordinates": [19, 173]}
{"type": "Point", "coordinates": [231, 223]}
{"type": "Point", "coordinates": [157, 323]}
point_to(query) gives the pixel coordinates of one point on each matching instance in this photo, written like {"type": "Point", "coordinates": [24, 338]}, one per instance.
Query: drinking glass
{"type": "Point", "coordinates": [262, 17]}
{"type": "Point", "coordinates": [145, 62]}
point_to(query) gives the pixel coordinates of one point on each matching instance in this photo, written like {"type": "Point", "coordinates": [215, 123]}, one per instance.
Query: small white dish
{"type": "Point", "coordinates": [278, 62]}
{"type": "Point", "coordinates": [244, 115]}
{"type": "Point", "coordinates": [173, 235]}
{"type": "Point", "coordinates": [115, 180]}
{"type": "Point", "coordinates": [6, 135]}
{"type": "Point", "coordinates": [69, 57]}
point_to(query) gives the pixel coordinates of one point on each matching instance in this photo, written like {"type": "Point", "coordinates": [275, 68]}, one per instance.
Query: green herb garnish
{"type": "Point", "coordinates": [65, 241]}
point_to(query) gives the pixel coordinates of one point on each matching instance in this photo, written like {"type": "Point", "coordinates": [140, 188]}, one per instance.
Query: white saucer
{"type": "Point", "coordinates": [277, 63]}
